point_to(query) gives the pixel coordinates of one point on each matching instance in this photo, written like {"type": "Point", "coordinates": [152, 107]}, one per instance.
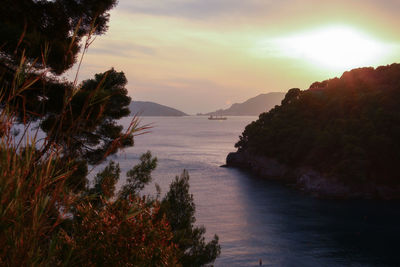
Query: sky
{"type": "Point", "coordinates": [203, 55]}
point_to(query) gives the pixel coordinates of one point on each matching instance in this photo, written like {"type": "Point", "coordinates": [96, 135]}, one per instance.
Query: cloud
{"type": "Point", "coordinates": [211, 9]}
{"type": "Point", "coordinates": [124, 49]}
{"type": "Point", "coordinates": [199, 9]}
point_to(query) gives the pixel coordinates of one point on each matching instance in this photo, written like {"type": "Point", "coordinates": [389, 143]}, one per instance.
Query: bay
{"type": "Point", "coordinates": [260, 219]}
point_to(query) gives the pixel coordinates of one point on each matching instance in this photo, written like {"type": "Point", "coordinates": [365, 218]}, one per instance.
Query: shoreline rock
{"type": "Point", "coordinates": [309, 180]}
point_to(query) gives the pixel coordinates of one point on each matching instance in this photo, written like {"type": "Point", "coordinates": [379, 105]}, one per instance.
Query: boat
{"type": "Point", "coordinates": [217, 118]}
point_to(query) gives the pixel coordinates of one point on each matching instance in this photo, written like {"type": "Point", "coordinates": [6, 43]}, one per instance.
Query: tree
{"type": "Point", "coordinates": [291, 95]}
{"type": "Point", "coordinates": [48, 214]}
{"type": "Point", "coordinates": [139, 176]}
{"type": "Point", "coordinates": [96, 106]}
{"type": "Point", "coordinates": [39, 40]}
{"type": "Point", "coordinates": [179, 208]}
{"type": "Point", "coordinates": [52, 28]}
{"type": "Point", "coordinates": [104, 184]}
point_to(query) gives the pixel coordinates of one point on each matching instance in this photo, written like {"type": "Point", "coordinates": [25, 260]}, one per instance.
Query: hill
{"type": "Point", "coordinates": [338, 138]}
{"type": "Point", "coordinates": [145, 108]}
{"type": "Point", "coordinates": [253, 106]}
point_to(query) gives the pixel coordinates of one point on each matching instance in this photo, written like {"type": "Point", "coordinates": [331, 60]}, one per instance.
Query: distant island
{"type": "Point", "coordinates": [252, 107]}
{"type": "Point", "coordinates": [145, 108]}
{"type": "Point", "coordinates": [339, 138]}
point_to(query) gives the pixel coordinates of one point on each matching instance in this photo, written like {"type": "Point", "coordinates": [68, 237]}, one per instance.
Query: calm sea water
{"type": "Point", "coordinates": [259, 219]}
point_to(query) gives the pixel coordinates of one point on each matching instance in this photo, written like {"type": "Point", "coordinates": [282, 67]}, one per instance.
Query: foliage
{"type": "Point", "coordinates": [97, 105]}
{"type": "Point", "coordinates": [30, 192]}
{"type": "Point", "coordinates": [123, 233]}
{"type": "Point", "coordinates": [52, 28]}
{"type": "Point", "coordinates": [179, 208]}
{"type": "Point", "coordinates": [104, 184]}
{"type": "Point", "coordinates": [345, 127]}
{"type": "Point", "coordinates": [48, 214]}
{"type": "Point", "coordinates": [44, 222]}
{"type": "Point", "coordinates": [139, 176]}
{"type": "Point", "coordinates": [40, 40]}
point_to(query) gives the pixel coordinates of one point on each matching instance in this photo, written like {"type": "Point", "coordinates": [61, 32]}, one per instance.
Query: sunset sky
{"type": "Point", "coordinates": [202, 55]}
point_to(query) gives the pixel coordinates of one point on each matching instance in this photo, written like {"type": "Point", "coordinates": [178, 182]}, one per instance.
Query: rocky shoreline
{"type": "Point", "coordinates": [308, 180]}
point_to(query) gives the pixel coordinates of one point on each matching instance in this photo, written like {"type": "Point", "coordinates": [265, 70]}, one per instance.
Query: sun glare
{"type": "Point", "coordinates": [335, 47]}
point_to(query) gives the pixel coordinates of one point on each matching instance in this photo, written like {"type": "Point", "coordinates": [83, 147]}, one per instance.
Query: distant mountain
{"type": "Point", "coordinates": [144, 108]}
{"type": "Point", "coordinates": [252, 107]}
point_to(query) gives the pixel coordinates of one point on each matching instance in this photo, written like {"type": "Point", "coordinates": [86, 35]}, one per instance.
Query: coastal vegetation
{"type": "Point", "coordinates": [345, 128]}
{"type": "Point", "coordinates": [54, 132]}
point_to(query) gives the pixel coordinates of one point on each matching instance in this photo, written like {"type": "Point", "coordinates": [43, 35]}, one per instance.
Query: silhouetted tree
{"type": "Point", "coordinates": [179, 208]}
{"type": "Point", "coordinates": [97, 105]}
{"type": "Point", "coordinates": [139, 176]}
{"type": "Point", "coordinates": [53, 29]}
{"type": "Point", "coordinates": [40, 36]}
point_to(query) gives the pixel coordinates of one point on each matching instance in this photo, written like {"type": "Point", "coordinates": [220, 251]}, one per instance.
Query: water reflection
{"type": "Point", "coordinates": [319, 232]}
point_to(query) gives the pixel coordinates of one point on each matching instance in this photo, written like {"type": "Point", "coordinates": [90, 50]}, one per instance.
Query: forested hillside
{"type": "Point", "coordinates": [346, 128]}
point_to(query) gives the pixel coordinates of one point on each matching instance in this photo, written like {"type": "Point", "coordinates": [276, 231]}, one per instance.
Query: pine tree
{"type": "Point", "coordinates": [179, 208]}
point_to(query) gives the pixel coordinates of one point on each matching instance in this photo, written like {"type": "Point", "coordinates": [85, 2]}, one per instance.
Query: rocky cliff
{"type": "Point", "coordinates": [308, 180]}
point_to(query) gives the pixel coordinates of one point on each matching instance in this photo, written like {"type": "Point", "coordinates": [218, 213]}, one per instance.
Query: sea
{"type": "Point", "coordinates": [259, 221]}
